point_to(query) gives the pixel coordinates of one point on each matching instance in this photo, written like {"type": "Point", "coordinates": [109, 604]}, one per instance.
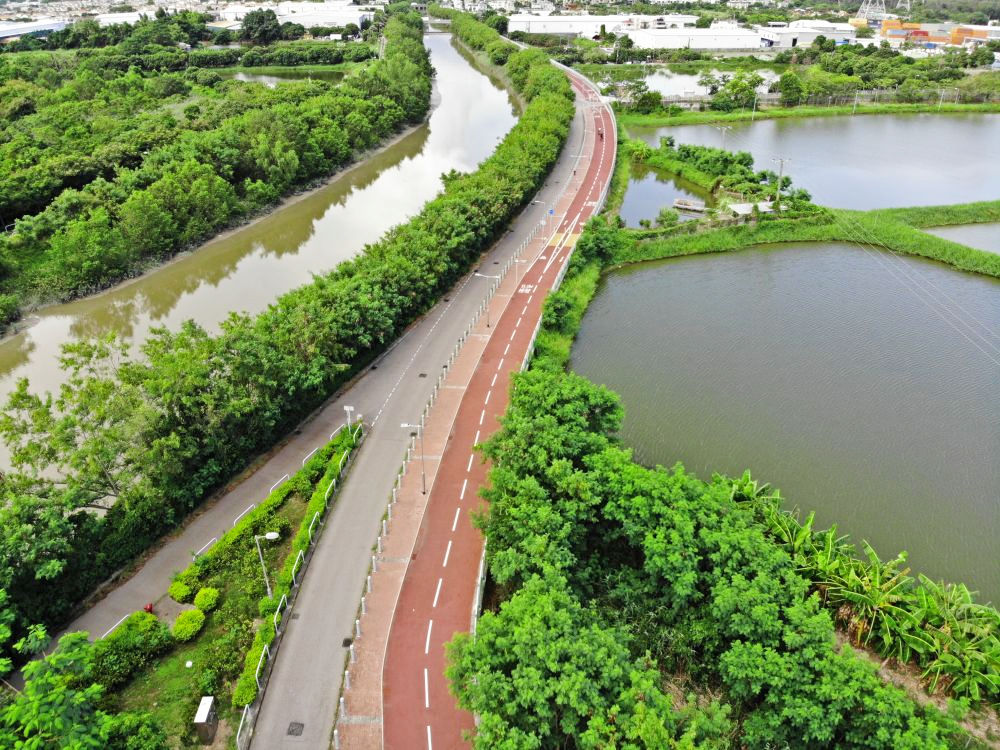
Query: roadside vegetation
{"type": "Point", "coordinates": [139, 686]}
{"type": "Point", "coordinates": [132, 443]}
{"type": "Point", "coordinates": [644, 607]}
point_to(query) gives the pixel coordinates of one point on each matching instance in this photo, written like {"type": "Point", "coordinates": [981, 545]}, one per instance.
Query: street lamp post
{"type": "Point", "coordinates": [486, 276]}
{"type": "Point", "coordinates": [269, 536]}
{"type": "Point", "coordinates": [349, 410]}
{"type": "Point", "coordinates": [423, 467]}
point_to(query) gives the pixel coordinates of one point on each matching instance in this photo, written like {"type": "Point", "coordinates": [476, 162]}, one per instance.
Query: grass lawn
{"type": "Point", "coordinates": [169, 689]}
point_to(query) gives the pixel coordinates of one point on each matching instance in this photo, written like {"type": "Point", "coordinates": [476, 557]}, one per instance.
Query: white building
{"type": "Point", "coordinates": [15, 30]}
{"type": "Point", "coordinates": [307, 14]}
{"type": "Point", "coordinates": [718, 38]}
{"type": "Point", "coordinates": [590, 26]}
{"type": "Point", "coordinates": [803, 33]}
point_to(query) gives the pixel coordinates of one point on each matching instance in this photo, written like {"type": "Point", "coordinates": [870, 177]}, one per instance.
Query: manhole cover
{"type": "Point", "coordinates": [347, 643]}
{"type": "Point", "coordinates": [295, 616]}
{"type": "Point", "coordinates": [295, 728]}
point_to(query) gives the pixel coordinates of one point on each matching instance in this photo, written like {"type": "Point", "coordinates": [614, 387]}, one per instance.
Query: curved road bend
{"type": "Point", "coordinates": [440, 584]}
{"type": "Point", "coordinates": [305, 684]}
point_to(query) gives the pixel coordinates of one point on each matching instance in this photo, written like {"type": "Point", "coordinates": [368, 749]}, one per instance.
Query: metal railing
{"type": "Point", "coordinates": [265, 666]}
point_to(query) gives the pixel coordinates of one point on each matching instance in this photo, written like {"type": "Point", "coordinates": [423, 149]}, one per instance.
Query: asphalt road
{"type": "Point", "coordinates": [306, 680]}
{"type": "Point", "coordinates": [442, 576]}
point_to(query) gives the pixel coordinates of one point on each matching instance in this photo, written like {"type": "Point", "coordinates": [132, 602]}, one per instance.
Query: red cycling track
{"type": "Point", "coordinates": [441, 578]}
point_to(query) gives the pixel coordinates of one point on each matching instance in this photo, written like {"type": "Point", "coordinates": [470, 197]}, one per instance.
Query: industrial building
{"type": "Point", "coordinates": [591, 26]}
{"type": "Point", "coordinates": [805, 32]}
{"type": "Point", "coordinates": [726, 37]}
{"type": "Point", "coordinates": [16, 29]}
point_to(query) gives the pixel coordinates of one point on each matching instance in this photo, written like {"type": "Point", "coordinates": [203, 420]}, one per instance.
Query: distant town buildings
{"type": "Point", "coordinates": [665, 31]}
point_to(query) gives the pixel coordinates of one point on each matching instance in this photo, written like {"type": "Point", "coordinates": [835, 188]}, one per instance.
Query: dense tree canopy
{"type": "Point", "coordinates": [665, 580]}
{"type": "Point", "coordinates": [104, 170]}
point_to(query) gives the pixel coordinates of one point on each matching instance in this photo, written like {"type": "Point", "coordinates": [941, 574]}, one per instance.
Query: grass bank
{"type": "Point", "coordinates": [872, 228]}
{"type": "Point", "coordinates": [658, 119]}
{"type": "Point", "coordinates": [981, 212]}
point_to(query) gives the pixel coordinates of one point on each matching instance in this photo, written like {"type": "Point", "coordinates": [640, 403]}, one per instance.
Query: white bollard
{"type": "Point", "coordinates": [389, 511]}
{"type": "Point", "coordinates": [378, 545]}
{"type": "Point", "coordinates": [354, 655]}
{"type": "Point", "coordinates": [357, 628]}
{"type": "Point", "coordinates": [343, 710]}
{"type": "Point", "coordinates": [347, 679]}
{"type": "Point", "coordinates": [374, 564]}
{"type": "Point", "coordinates": [364, 605]}
{"type": "Point", "coordinates": [369, 585]}
{"type": "Point", "coordinates": [385, 526]}
{"type": "Point", "coordinates": [336, 739]}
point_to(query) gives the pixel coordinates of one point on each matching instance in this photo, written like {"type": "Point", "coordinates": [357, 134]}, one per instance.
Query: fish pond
{"type": "Point", "coordinates": [863, 385]}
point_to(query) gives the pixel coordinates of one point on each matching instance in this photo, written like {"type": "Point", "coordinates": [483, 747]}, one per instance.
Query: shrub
{"type": "Point", "coordinates": [135, 731]}
{"type": "Point", "coordinates": [180, 592]}
{"type": "Point", "coordinates": [206, 599]}
{"type": "Point", "coordinates": [129, 648]}
{"type": "Point", "coordinates": [188, 624]}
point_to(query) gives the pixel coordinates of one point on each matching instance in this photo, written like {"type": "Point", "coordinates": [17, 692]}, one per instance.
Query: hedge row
{"type": "Point", "coordinates": [246, 686]}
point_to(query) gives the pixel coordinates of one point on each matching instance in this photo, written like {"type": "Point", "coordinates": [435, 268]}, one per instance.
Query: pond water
{"type": "Point", "coordinates": [669, 83]}
{"type": "Point", "coordinates": [827, 377]}
{"type": "Point", "coordinates": [982, 236]}
{"type": "Point", "coordinates": [650, 190]}
{"type": "Point", "coordinates": [271, 77]}
{"type": "Point", "coordinates": [247, 269]}
{"type": "Point", "coordinates": [876, 161]}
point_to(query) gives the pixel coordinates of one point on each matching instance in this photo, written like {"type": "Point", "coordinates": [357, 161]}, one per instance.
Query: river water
{"type": "Point", "coordinates": [867, 162]}
{"type": "Point", "coordinates": [249, 268]}
{"type": "Point", "coordinates": [828, 378]}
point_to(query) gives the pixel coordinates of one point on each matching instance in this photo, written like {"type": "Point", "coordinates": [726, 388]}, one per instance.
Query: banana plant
{"type": "Point", "coordinates": [878, 593]}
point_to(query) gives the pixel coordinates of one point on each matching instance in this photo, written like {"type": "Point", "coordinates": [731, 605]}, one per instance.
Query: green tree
{"type": "Point", "coordinates": [791, 87]}
{"type": "Point", "coordinates": [57, 710]}
{"type": "Point", "coordinates": [260, 27]}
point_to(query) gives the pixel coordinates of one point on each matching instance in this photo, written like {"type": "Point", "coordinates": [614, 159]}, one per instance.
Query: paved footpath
{"type": "Point", "coordinates": [306, 682]}
{"type": "Point", "coordinates": [427, 586]}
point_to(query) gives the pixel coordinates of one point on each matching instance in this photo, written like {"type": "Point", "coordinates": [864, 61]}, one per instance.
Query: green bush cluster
{"type": "Point", "coordinates": [130, 647]}
{"type": "Point", "coordinates": [326, 461]}
{"type": "Point", "coordinates": [206, 599]}
{"type": "Point", "coordinates": [102, 173]}
{"type": "Point", "coordinates": [180, 592]}
{"type": "Point", "coordinates": [188, 624]}
{"type": "Point", "coordinates": [616, 578]}
{"type": "Point", "coordinates": [940, 627]}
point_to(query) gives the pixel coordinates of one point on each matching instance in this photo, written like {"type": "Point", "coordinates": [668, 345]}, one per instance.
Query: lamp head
{"type": "Point", "coordinates": [272, 536]}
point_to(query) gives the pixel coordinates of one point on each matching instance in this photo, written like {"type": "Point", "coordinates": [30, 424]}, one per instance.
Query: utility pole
{"type": "Point", "coordinates": [781, 175]}
{"type": "Point", "coordinates": [855, 102]}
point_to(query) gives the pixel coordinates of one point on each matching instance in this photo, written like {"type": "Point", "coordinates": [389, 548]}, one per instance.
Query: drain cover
{"type": "Point", "coordinates": [295, 616]}
{"type": "Point", "coordinates": [295, 728]}
{"type": "Point", "coordinates": [347, 643]}
{"type": "Point", "coordinates": [422, 375]}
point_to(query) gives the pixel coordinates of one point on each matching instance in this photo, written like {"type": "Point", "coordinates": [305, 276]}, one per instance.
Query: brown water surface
{"type": "Point", "coordinates": [828, 376]}
{"type": "Point", "coordinates": [247, 269]}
